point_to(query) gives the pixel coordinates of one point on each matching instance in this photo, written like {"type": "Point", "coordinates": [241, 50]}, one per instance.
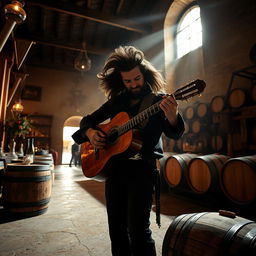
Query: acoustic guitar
{"type": "Point", "coordinates": [119, 134]}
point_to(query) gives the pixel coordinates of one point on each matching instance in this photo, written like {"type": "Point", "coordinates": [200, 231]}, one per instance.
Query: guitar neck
{"type": "Point", "coordinates": [139, 118]}
{"type": "Point", "coordinates": [193, 88]}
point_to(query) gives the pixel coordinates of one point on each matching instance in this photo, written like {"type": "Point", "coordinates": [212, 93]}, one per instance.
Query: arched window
{"type": "Point", "coordinates": [189, 31]}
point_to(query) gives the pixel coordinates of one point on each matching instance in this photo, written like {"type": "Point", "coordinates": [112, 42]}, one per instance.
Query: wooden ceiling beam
{"type": "Point", "coordinates": [73, 47]}
{"type": "Point", "coordinates": [93, 15]}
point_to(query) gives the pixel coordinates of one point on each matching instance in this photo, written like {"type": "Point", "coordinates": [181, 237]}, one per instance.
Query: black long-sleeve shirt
{"type": "Point", "coordinates": [150, 134]}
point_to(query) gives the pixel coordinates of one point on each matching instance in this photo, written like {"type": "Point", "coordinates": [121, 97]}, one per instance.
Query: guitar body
{"type": "Point", "coordinates": [93, 163]}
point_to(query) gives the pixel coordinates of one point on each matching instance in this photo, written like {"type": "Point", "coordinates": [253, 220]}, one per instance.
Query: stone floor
{"type": "Point", "coordinates": [75, 223]}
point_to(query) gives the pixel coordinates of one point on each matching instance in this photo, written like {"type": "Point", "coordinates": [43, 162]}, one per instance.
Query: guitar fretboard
{"type": "Point", "coordinates": [184, 93]}
{"type": "Point", "coordinates": [139, 118]}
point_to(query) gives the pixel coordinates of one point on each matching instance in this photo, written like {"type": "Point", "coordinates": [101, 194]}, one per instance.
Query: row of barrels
{"type": "Point", "coordinates": [212, 174]}
{"type": "Point", "coordinates": [237, 98]}
{"type": "Point", "coordinates": [204, 143]}
{"type": "Point", "coordinates": [27, 188]}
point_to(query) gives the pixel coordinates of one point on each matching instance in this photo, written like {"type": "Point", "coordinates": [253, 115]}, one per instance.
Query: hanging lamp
{"type": "Point", "coordinates": [82, 61]}
{"type": "Point", "coordinates": [17, 107]}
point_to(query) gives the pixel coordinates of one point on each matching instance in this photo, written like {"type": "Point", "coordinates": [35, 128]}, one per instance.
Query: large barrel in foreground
{"type": "Point", "coordinates": [27, 189]}
{"type": "Point", "coordinates": [211, 234]}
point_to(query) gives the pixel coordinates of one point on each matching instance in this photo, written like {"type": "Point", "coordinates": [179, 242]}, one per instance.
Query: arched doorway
{"type": "Point", "coordinates": [70, 126]}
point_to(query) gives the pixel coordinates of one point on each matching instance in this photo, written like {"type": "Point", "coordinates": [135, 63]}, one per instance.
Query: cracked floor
{"type": "Point", "coordinates": [75, 223]}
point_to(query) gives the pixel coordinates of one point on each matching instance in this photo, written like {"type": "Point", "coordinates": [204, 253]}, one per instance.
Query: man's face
{"type": "Point", "coordinates": [133, 81]}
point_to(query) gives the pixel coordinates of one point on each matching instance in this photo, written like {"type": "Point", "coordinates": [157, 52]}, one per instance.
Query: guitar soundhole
{"type": "Point", "coordinates": [112, 136]}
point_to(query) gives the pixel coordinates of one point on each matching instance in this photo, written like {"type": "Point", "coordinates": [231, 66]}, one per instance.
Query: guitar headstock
{"type": "Point", "coordinates": [190, 90]}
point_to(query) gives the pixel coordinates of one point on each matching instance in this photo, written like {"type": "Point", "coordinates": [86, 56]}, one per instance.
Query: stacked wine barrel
{"type": "Point", "coordinates": [46, 159]}
{"type": "Point", "coordinates": [213, 175]}
{"type": "Point", "coordinates": [238, 179]}
{"type": "Point", "coordinates": [196, 138]}
{"type": "Point", "coordinates": [175, 168]}
{"type": "Point", "coordinates": [207, 125]}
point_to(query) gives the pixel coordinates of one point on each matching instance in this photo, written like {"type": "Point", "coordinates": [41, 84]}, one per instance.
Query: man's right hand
{"type": "Point", "coordinates": [96, 137]}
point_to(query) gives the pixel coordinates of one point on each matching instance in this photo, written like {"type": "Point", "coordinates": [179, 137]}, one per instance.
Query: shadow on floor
{"type": "Point", "coordinates": [94, 188]}
{"type": "Point", "coordinates": [6, 216]}
{"type": "Point", "coordinates": [171, 205]}
{"type": "Point", "coordinates": [174, 204]}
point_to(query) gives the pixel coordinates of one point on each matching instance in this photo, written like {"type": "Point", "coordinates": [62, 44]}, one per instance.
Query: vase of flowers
{"type": "Point", "coordinates": [17, 128]}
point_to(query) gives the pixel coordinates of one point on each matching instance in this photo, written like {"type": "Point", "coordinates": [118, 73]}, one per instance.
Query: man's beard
{"type": "Point", "coordinates": [140, 93]}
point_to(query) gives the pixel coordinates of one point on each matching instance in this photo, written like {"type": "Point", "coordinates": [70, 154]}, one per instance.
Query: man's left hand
{"type": "Point", "coordinates": [170, 107]}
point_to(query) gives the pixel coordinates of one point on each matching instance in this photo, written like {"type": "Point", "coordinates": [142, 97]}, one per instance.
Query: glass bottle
{"type": "Point", "coordinates": [20, 153]}
{"type": "Point", "coordinates": [2, 154]}
{"type": "Point", "coordinates": [30, 149]}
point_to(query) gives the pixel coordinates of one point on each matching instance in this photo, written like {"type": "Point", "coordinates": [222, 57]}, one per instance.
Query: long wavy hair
{"type": "Point", "coordinates": [123, 59]}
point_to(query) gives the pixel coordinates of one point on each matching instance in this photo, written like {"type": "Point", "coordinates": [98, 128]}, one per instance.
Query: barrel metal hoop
{"type": "Point", "coordinates": [28, 179]}
{"type": "Point", "coordinates": [26, 204]}
{"type": "Point", "coordinates": [248, 243]}
{"type": "Point", "coordinates": [230, 236]}
{"type": "Point", "coordinates": [29, 214]}
{"type": "Point", "coordinates": [182, 160]}
{"type": "Point", "coordinates": [28, 170]}
{"type": "Point", "coordinates": [21, 168]}
{"type": "Point", "coordinates": [185, 232]}
{"type": "Point", "coordinates": [35, 213]}
{"type": "Point", "coordinates": [223, 161]}
{"type": "Point", "coordinates": [183, 167]}
{"type": "Point", "coordinates": [170, 231]}
{"type": "Point", "coordinates": [248, 161]}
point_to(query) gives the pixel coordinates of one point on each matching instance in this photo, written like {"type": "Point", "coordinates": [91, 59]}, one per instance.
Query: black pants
{"type": "Point", "coordinates": [129, 193]}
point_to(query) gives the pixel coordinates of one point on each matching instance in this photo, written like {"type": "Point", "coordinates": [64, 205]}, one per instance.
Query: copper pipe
{"type": "Point", "coordinates": [5, 33]}
{"type": "Point", "coordinates": [19, 77]}
{"type": "Point", "coordinates": [14, 14]}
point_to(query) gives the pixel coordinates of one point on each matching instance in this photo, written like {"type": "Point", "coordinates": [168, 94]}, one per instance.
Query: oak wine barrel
{"type": "Point", "coordinates": [46, 159]}
{"type": "Point", "coordinates": [168, 144]}
{"type": "Point", "coordinates": [237, 98]}
{"type": "Point", "coordinates": [27, 189]}
{"type": "Point", "coordinates": [217, 143]}
{"type": "Point", "coordinates": [204, 173]}
{"type": "Point", "coordinates": [43, 159]}
{"type": "Point", "coordinates": [202, 110]}
{"type": "Point", "coordinates": [217, 104]}
{"type": "Point", "coordinates": [211, 234]}
{"type": "Point", "coordinates": [196, 143]}
{"type": "Point", "coordinates": [202, 142]}
{"type": "Point", "coordinates": [178, 145]}
{"type": "Point", "coordinates": [189, 113]}
{"type": "Point", "coordinates": [238, 180]}
{"type": "Point", "coordinates": [198, 126]}
{"type": "Point", "coordinates": [186, 127]}
{"type": "Point", "coordinates": [164, 186]}
{"type": "Point", "coordinates": [175, 169]}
